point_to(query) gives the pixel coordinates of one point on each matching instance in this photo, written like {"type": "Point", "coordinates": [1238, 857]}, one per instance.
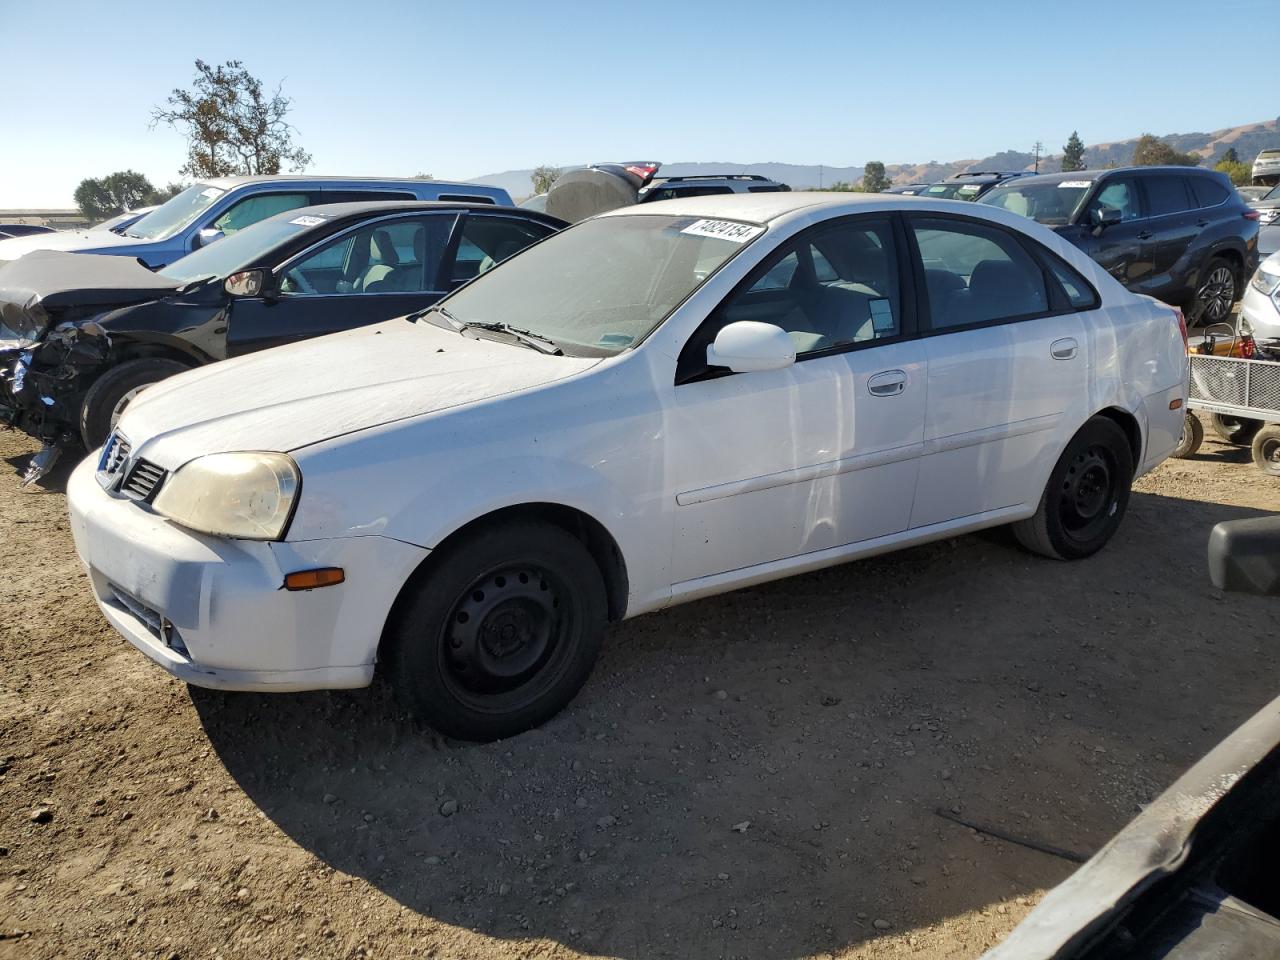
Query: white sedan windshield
{"type": "Point", "coordinates": [602, 286]}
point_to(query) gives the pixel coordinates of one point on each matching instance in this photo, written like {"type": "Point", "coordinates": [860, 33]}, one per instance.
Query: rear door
{"type": "Point", "coordinates": [1174, 223]}
{"type": "Point", "coordinates": [1125, 250]}
{"type": "Point", "coordinates": [1008, 367]}
{"type": "Point", "coordinates": [366, 274]}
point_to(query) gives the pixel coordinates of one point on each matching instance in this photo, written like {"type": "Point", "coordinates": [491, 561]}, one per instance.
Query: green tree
{"type": "Point", "coordinates": [841, 186]}
{"type": "Point", "coordinates": [1230, 156]}
{"type": "Point", "coordinates": [874, 179]}
{"type": "Point", "coordinates": [232, 126]}
{"type": "Point", "coordinates": [1150, 151]}
{"type": "Point", "coordinates": [167, 192]}
{"type": "Point", "coordinates": [1240, 173]}
{"type": "Point", "coordinates": [1073, 153]}
{"type": "Point", "coordinates": [104, 197]}
{"type": "Point", "coordinates": [543, 177]}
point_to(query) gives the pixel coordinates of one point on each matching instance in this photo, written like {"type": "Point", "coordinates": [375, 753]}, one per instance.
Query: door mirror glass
{"type": "Point", "coordinates": [749, 345]}
{"type": "Point", "coordinates": [246, 283]}
{"type": "Point", "coordinates": [205, 237]}
{"type": "Point", "coordinates": [1107, 216]}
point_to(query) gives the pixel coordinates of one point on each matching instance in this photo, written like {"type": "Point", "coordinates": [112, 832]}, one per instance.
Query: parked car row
{"type": "Point", "coordinates": [666, 401]}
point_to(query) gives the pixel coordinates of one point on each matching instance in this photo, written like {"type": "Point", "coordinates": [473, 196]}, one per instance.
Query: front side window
{"type": "Point", "coordinates": [976, 275]}
{"type": "Point", "coordinates": [602, 285]}
{"type": "Point", "coordinates": [175, 213]}
{"type": "Point", "coordinates": [397, 256]}
{"type": "Point", "coordinates": [1119, 195]}
{"type": "Point", "coordinates": [829, 289]}
{"type": "Point", "coordinates": [487, 241]}
{"type": "Point", "coordinates": [252, 209]}
{"type": "Point", "coordinates": [1166, 195]}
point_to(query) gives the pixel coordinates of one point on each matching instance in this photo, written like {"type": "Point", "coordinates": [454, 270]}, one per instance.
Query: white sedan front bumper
{"type": "Point", "coordinates": [214, 612]}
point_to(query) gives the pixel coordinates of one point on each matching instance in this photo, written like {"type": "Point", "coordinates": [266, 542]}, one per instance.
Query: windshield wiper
{"type": "Point", "coordinates": [435, 308]}
{"type": "Point", "coordinates": [528, 338]}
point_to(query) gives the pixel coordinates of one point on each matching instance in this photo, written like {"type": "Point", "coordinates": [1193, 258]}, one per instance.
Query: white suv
{"type": "Point", "coordinates": [658, 404]}
{"type": "Point", "coordinates": [1266, 166]}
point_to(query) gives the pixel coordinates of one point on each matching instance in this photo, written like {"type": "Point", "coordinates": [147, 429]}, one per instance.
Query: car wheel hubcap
{"type": "Point", "coordinates": [503, 630]}
{"type": "Point", "coordinates": [1217, 294]}
{"type": "Point", "coordinates": [1088, 493]}
{"type": "Point", "coordinates": [1271, 455]}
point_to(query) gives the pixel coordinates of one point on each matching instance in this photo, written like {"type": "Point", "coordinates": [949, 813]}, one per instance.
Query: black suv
{"type": "Point", "coordinates": [1177, 233]}
{"type": "Point", "coordinates": [709, 184]}
{"type": "Point", "coordinates": [969, 185]}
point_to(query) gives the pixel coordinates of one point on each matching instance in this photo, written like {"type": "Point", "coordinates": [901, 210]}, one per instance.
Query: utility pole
{"type": "Point", "coordinates": [1038, 149]}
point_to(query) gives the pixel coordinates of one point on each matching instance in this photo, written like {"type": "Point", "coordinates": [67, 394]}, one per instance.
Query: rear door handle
{"type": "Point", "coordinates": [889, 383]}
{"type": "Point", "coordinates": [1064, 349]}
{"type": "Point", "coordinates": [1202, 223]}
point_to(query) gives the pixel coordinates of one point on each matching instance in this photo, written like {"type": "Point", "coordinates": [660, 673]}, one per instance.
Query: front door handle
{"type": "Point", "coordinates": [890, 383]}
{"type": "Point", "coordinates": [1145, 235]}
{"type": "Point", "coordinates": [1064, 349]}
{"type": "Point", "coordinates": [1202, 223]}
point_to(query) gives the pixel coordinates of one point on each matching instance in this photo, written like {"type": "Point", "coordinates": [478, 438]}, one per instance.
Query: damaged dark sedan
{"type": "Point", "coordinates": [82, 334]}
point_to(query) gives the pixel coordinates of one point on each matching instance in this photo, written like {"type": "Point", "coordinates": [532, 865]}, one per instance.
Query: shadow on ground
{"type": "Point", "coordinates": [757, 774]}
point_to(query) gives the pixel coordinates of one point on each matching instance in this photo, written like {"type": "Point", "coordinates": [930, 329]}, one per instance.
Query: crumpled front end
{"type": "Point", "coordinates": [42, 385]}
{"type": "Point", "coordinates": [23, 319]}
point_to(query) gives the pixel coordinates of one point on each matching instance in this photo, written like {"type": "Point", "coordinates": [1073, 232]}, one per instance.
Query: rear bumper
{"type": "Point", "coordinates": [213, 611]}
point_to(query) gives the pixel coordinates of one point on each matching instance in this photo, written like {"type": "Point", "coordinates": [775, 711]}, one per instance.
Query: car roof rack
{"type": "Point", "coordinates": [714, 176]}
{"type": "Point", "coordinates": [985, 173]}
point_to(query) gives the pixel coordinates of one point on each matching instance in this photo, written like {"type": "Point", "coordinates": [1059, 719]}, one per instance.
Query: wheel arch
{"type": "Point", "coordinates": [600, 543]}
{"type": "Point", "coordinates": [1127, 422]}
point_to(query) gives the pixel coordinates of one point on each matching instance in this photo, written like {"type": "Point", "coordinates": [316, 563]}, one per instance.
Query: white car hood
{"type": "Point", "coordinates": [300, 394]}
{"type": "Point", "coordinates": [78, 241]}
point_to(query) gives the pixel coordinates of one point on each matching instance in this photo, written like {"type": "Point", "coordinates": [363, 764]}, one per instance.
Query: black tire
{"type": "Point", "coordinates": [1266, 450]}
{"type": "Point", "coordinates": [1216, 295]}
{"type": "Point", "coordinates": [112, 391]}
{"type": "Point", "coordinates": [1237, 430]}
{"type": "Point", "coordinates": [499, 633]}
{"type": "Point", "coordinates": [1086, 496]}
{"type": "Point", "coordinates": [1192, 437]}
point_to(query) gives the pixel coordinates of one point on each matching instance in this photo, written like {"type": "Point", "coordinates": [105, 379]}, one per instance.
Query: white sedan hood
{"type": "Point", "coordinates": [300, 394]}
{"type": "Point", "coordinates": [76, 241]}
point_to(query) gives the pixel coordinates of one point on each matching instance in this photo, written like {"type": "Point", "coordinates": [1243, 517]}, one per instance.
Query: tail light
{"type": "Point", "coordinates": [1252, 215]}
{"type": "Point", "coordinates": [644, 171]}
{"type": "Point", "coordinates": [1182, 326]}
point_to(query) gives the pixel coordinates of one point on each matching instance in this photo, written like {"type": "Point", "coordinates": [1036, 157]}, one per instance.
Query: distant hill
{"type": "Point", "coordinates": [1247, 139]}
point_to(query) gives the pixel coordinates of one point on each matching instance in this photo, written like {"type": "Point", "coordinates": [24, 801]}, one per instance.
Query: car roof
{"type": "Point", "coordinates": [766, 208]}
{"type": "Point", "coordinates": [1106, 172]}
{"type": "Point", "coordinates": [362, 208]}
{"type": "Point", "coordinates": [227, 183]}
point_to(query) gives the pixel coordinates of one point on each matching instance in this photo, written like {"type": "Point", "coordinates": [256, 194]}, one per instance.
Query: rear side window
{"type": "Point", "coordinates": [767, 188]}
{"type": "Point", "coordinates": [258, 207]}
{"type": "Point", "coordinates": [354, 196]}
{"type": "Point", "coordinates": [1208, 192]}
{"type": "Point", "coordinates": [464, 198]}
{"type": "Point", "coordinates": [976, 275]}
{"type": "Point", "coordinates": [1166, 195]}
{"type": "Point", "coordinates": [487, 240]}
{"type": "Point", "coordinates": [1079, 293]}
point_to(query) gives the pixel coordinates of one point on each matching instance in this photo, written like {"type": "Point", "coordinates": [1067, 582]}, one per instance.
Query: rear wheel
{"type": "Point", "coordinates": [1191, 438]}
{"type": "Point", "coordinates": [1266, 449]}
{"type": "Point", "coordinates": [1086, 496]}
{"type": "Point", "coordinates": [499, 633]}
{"type": "Point", "coordinates": [1217, 294]}
{"type": "Point", "coordinates": [114, 390]}
{"type": "Point", "coordinates": [1237, 430]}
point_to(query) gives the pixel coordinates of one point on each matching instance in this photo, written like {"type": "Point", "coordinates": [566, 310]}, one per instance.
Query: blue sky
{"type": "Point", "coordinates": [472, 87]}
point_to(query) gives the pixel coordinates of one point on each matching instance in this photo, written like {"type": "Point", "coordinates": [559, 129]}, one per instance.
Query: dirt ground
{"type": "Point", "coordinates": [755, 775]}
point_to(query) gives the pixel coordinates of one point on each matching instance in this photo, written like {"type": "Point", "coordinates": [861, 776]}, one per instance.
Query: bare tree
{"type": "Point", "coordinates": [232, 126]}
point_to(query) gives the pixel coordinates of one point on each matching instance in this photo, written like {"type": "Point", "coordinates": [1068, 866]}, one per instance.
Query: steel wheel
{"type": "Point", "coordinates": [1088, 493]}
{"type": "Point", "coordinates": [1217, 295]}
{"type": "Point", "coordinates": [1266, 450]}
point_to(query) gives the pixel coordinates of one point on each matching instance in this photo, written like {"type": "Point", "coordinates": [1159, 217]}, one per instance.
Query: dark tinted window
{"type": "Point", "coordinates": [670, 193]}
{"type": "Point", "coordinates": [977, 274]}
{"type": "Point", "coordinates": [464, 198]}
{"type": "Point", "coordinates": [355, 196]}
{"type": "Point", "coordinates": [1166, 195]}
{"type": "Point", "coordinates": [767, 188]}
{"type": "Point", "coordinates": [1209, 192]}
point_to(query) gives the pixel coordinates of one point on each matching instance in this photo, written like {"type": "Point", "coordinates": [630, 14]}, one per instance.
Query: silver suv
{"type": "Point", "coordinates": [705, 185]}
{"type": "Point", "coordinates": [1266, 166]}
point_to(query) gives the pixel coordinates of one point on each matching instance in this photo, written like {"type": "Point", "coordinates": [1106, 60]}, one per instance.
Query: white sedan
{"type": "Point", "coordinates": [662, 403]}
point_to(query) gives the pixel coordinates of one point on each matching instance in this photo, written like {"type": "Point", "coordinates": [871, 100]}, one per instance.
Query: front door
{"type": "Point", "coordinates": [817, 455]}
{"type": "Point", "coordinates": [1008, 367]}
{"type": "Point", "coordinates": [368, 274]}
{"type": "Point", "coordinates": [1125, 249]}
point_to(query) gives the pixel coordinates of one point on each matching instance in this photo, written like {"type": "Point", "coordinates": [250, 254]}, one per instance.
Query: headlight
{"type": "Point", "coordinates": [244, 495]}
{"type": "Point", "coordinates": [1265, 281]}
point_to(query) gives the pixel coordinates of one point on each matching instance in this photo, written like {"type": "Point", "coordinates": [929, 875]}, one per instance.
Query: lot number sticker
{"type": "Point", "coordinates": [723, 230]}
{"type": "Point", "coordinates": [308, 221]}
{"type": "Point", "coordinates": [1075, 184]}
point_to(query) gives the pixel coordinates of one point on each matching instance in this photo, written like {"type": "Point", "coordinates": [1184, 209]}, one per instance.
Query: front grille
{"type": "Point", "coordinates": [143, 480]}
{"type": "Point", "coordinates": [150, 618]}
{"type": "Point", "coordinates": [114, 454]}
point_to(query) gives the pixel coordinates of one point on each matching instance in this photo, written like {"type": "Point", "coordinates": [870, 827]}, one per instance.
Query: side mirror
{"type": "Point", "coordinates": [246, 283]}
{"type": "Point", "coordinates": [748, 346]}
{"type": "Point", "coordinates": [205, 237]}
{"type": "Point", "coordinates": [1104, 217]}
{"type": "Point", "coordinates": [1244, 556]}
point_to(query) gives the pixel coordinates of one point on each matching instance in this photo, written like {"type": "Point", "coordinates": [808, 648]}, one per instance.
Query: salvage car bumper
{"type": "Point", "coordinates": [214, 612]}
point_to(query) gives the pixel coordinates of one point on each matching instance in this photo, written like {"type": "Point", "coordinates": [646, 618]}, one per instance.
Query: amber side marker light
{"type": "Point", "coordinates": [1175, 404]}
{"type": "Point", "coordinates": [310, 579]}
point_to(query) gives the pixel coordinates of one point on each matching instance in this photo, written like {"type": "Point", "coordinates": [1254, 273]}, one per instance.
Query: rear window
{"type": "Point", "coordinates": [1209, 192]}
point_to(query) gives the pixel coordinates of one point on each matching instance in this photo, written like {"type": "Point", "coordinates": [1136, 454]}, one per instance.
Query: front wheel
{"type": "Point", "coordinates": [114, 390]}
{"type": "Point", "coordinates": [1266, 450]}
{"type": "Point", "coordinates": [499, 633]}
{"type": "Point", "coordinates": [1086, 496]}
